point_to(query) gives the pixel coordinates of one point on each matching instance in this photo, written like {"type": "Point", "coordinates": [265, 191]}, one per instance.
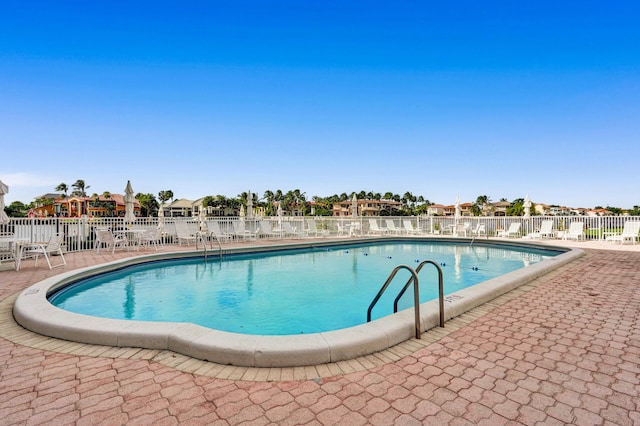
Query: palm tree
{"type": "Point", "coordinates": [80, 188]}
{"type": "Point", "coordinates": [165, 195]}
{"type": "Point", "coordinates": [64, 188]}
{"type": "Point", "coordinates": [480, 205]}
{"type": "Point", "coordinates": [269, 198]}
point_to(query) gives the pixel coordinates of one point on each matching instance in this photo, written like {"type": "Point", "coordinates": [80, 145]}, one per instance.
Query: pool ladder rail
{"type": "Point", "coordinates": [416, 292]}
{"type": "Point", "coordinates": [203, 237]}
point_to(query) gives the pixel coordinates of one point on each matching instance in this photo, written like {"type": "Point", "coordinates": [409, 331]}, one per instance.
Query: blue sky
{"type": "Point", "coordinates": [443, 99]}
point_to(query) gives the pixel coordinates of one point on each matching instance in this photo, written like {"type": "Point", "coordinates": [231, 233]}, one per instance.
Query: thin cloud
{"type": "Point", "coordinates": [25, 179]}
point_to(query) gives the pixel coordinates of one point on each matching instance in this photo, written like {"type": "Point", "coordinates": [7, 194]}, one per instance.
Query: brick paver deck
{"type": "Point", "coordinates": [564, 349]}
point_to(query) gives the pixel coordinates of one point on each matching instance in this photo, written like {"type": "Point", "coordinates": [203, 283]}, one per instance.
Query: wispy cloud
{"type": "Point", "coordinates": [25, 186]}
{"type": "Point", "coordinates": [25, 179]}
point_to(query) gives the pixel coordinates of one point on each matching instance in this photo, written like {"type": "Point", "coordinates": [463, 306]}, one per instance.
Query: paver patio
{"type": "Point", "coordinates": [564, 349]}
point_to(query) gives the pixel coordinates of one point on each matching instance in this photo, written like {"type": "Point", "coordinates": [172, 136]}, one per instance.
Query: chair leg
{"type": "Point", "coordinates": [46, 256]}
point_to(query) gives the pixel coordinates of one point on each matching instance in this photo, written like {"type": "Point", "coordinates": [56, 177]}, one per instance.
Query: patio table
{"type": "Point", "coordinates": [16, 246]}
{"type": "Point", "coordinates": [133, 236]}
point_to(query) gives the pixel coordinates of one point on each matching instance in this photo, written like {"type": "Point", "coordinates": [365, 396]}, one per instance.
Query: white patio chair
{"type": "Point", "coordinates": [462, 229]}
{"type": "Point", "coordinates": [183, 233]}
{"type": "Point", "coordinates": [36, 250]}
{"type": "Point", "coordinates": [288, 230]}
{"type": "Point", "coordinates": [266, 231]}
{"type": "Point", "coordinates": [375, 229]}
{"type": "Point", "coordinates": [240, 231]}
{"type": "Point", "coordinates": [391, 226]}
{"type": "Point", "coordinates": [479, 230]}
{"type": "Point", "coordinates": [106, 237]}
{"type": "Point", "coordinates": [629, 232]}
{"type": "Point", "coordinates": [214, 230]}
{"type": "Point", "coordinates": [151, 237]}
{"type": "Point", "coordinates": [513, 231]}
{"type": "Point", "coordinates": [409, 228]}
{"type": "Point", "coordinates": [312, 228]}
{"type": "Point", "coordinates": [545, 231]}
{"type": "Point", "coordinates": [575, 232]}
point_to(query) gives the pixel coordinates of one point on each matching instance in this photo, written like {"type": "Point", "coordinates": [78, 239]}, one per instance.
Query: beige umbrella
{"type": "Point", "coordinates": [249, 205]}
{"type": "Point", "coordinates": [457, 217]}
{"type": "Point", "coordinates": [203, 219]}
{"type": "Point", "coordinates": [4, 189]}
{"type": "Point", "coordinates": [527, 211]}
{"type": "Point", "coordinates": [354, 205]}
{"type": "Point", "coordinates": [129, 199]}
{"type": "Point", "coordinates": [527, 206]}
{"type": "Point", "coordinates": [161, 216]}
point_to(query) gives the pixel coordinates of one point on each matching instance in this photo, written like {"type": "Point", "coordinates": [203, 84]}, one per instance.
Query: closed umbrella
{"type": "Point", "coordinates": [527, 210]}
{"type": "Point", "coordinates": [129, 199]}
{"type": "Point", "coordinates": [249, 205]}
{"type": "Point", "coordinates": [354, 206]}
{"type": "Point", "coordinates": [527, 206]}
{"type": "Point", "coordinates": [4, 189]}
{"type": "Point", "coordinates": [161, 217]}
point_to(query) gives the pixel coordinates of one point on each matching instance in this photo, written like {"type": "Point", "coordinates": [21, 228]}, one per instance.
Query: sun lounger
{"type": "Point", "coordinates": [630, 232]}
{"type": "Point", "coordinates": [513, 231]}
{"type": "Point", "coordinates": [266, 231]}
{"type": "Point", "coordinates": [545, 231]}
{"type": "Point", "coordinates": [409, 228]}
{"type": "Point", "coordinates": [184, 234]}
{"type": "Point", "coordinates": [375, 229]}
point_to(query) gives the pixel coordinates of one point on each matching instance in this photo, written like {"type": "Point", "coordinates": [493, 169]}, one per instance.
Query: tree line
{"type": "Point", "coordinates": [289, 201]}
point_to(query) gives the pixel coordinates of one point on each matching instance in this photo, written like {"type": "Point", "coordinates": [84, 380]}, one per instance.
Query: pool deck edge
{"type": "Point", "coordinates": [34, 312]}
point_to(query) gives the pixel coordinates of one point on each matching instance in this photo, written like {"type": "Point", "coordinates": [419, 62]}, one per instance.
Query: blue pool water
{"type": "Point", "coordinates": [286, 292]}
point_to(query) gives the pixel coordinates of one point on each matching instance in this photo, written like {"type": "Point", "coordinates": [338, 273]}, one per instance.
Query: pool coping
{"type": "Point", "coordinates": [33, 311]}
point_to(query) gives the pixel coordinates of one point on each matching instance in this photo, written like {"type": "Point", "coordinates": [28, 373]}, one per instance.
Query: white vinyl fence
{"type": "Point", "coordinates": [79, 233]}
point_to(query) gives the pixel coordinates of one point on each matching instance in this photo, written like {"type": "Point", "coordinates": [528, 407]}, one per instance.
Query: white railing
{"type": "Point", "coordinates": [79, 233]}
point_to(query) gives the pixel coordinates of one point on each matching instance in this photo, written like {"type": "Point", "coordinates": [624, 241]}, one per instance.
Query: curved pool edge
{"type": "Point", "coordinates": [33, 311]}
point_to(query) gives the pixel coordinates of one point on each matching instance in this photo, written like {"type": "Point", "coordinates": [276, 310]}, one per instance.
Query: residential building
{"type": "Point", "coordinates": [367, 208]}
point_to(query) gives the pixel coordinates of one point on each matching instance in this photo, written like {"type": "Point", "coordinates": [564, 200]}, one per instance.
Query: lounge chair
{"type": "Point", "coordinates": [240, 231]}
{"type": "Point", "coordinates": [629, 232]}
{"type": "Point", "coordinates": [391, 226]}
{"type": "Point", "coordinates": [266, 231]}
{"type": "Point", "coordinates": [312, 228]}
{"type": "Point", "coordinates": [214, 230]}
{"type": "Point", "coordinates": [375, 229]}
{"type": "Point", "coordinates": [184, 234]}
{"type": "Point", "coordinates": [409, 228]}
{"type": "Point", "coordinates": [545, 231]}
{"type": "Point", "coordinates": [513, 231]}
{"type": "Point", "coordinates": [53, 246]}
{"type": "Point", "coordinates": [462, 229]}
{"type": "Point", "coordinates": [288, 230]}
{"type": "Point", "coordinates": [575, 232]}
{"type": "Point", "coordinates": [106, 237]}
{"type": "Point", "coordinates": [479, 230]}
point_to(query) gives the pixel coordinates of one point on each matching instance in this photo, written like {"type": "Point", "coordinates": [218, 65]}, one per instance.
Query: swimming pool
{"type": "Point", "coordinates": [33, 311]}
{"type": "Point", "coordinates": [286, 292]}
